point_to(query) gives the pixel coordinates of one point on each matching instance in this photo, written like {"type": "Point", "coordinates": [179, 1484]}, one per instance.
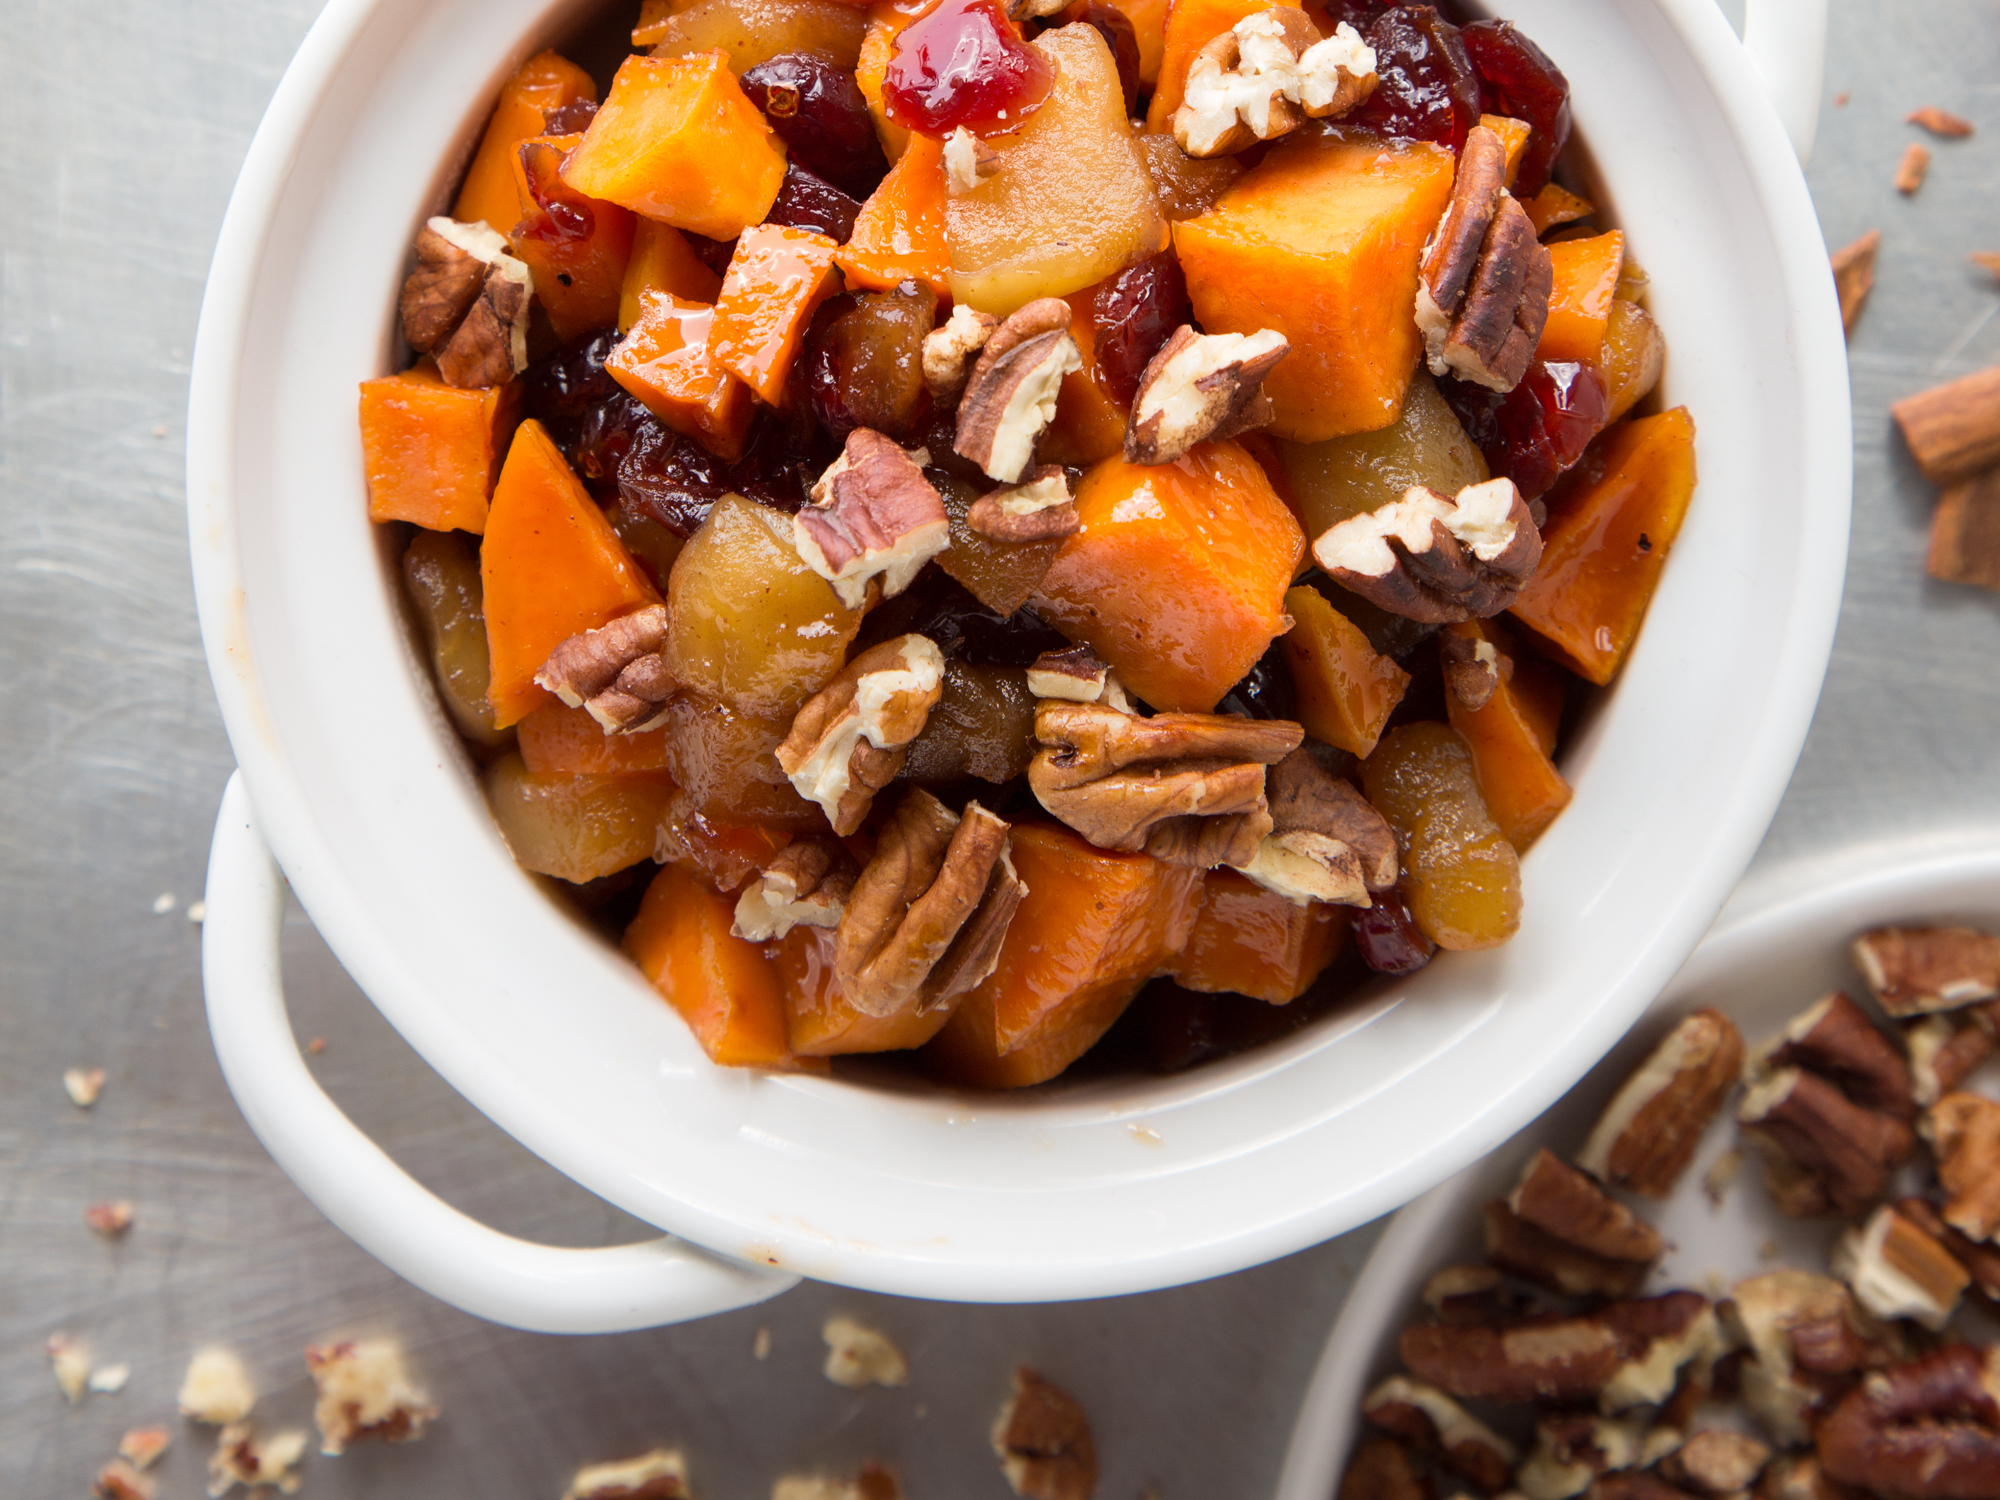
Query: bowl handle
{"type": "Point", "coordinates": [1786, 40]}
{"type": "Point", "coordinates": [371, 1199]}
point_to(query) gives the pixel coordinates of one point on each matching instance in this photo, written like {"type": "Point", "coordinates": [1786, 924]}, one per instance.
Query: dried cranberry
{"type": "Point", "coordinates": [1265, 692]}
{"type": "Point", "coordinates": [1388, 938]}
{"type": "Point", "coordinates": [964, 629]}
{"type": "Point", "coordinates": [558, 389]}
{"type": "Point", "coordinates": [1360, 14]}
{"type": "Point", "coordinates": [675, 480]}
{"type": "Point", "coordinates": [864, 361]}
{"type": "Point", "coordinates": [1425, 88]}
{"type": "Point", "coordinates": [607, 431]}
{"type": "Point", "coordinates": [1517, 78]}
{"type": "Point", "coordinates": [1116, 28]}
{"type": "Point", "coordinates": [715, 254]}
{"type": "Point", "coordinates": [561, 214]}
{"type": "Point", "coordinates": [1538, 429]}
{"type": "Point", "coordinates": [809, 202]}
{"type": "Point", "coordinates": [1132, 314]}
{"type": "Point", "coordinates": [816, 110]}
{"type": "Point", "coordinates": [569, 119]}
{"type": "Point", "coordinates": [965, 64]}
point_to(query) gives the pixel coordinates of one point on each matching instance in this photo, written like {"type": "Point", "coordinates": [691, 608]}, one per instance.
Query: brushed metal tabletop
{"type": "Point", "coordinates": [128, 123]}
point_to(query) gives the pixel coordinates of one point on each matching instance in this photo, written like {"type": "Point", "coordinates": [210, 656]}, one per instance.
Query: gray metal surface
{"type": "Point", "coordinates": [126, 125]}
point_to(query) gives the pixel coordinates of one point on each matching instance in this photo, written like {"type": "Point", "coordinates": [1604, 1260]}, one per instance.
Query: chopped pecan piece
{"type": "Point", "coordinates": [873, 516]}
{"type": "Point", "coordinates": [659, 1475]}
{"type": "Point", "coordinates": [1854, 276]}
{"type": "Point", "coordinates": [805, 885]}
{"type": "Point", "coordinates": [925, 919]}
{"type": "Point", "coordinates": [1043, 1439]}
{"type": "Point", "coordinates": [951, 348]}
{"type": "Point", "coordinates": [1533, 1254]}
{"type": "Point", "coordinates": [1483, 291]}
{"type": "Point", "coordinates": [1915, 970]}
{"type": "Point", "coordinates": [1634, 1484]}
{"type": "Point", "coordinates": [241, 1457]}
{"type": "Point", "coordinates": [142, 1446]}
{"type": "Point", "coordinates": [968, 161]}
{"type": "Point", "coordinates": [1076, 675]}
{"type": "Point", "coordinates": [121, 1480]}
{"type": "Point", "coordinates": [616, 672]}
{"type": "Point", "coordinates": [1470, 1294]}
{"type": "Point", "coordinates": [1573, 1448]}
{"type": "Point", "coordinates": [851, 737]}
{"type": "Point", "coordinates": [83, 1085]}
{"type": "Point", "coordinates": [1010, 397]}
{"type": "Point", "coordinates": [1834, 1038]}
{"type": "Point", "coordinates": [1436, 559]}
{"type": "Point", "coordinates": [858, 1356]}
{"type": "Point", "coordinates": [1186, 788]}
{"type": "Point", "coordinates": [1964, 1132]}
{"type": "Point", "coordinates": [1981, 1261]}
{"type": "Point", "coordinates": [110, 1219]}
{"type": "Point", "coordinates": [1824, 1151]}
{"type": "Point", "coordinates": [1926, 1430]}
{"type": "Point", "coordinates": [1201, 386]}
{"type": "Point", "coordinates": [1912, 169]}
{"type": "Point", "coordinates": [1940, 122]}
{"type": "Point", "coordinates": [365, 1392]}
{"type": "Point", "coordinates": [466, 304]}
{"type": "Point", "coordinates": [1326, 842]}
{"type": "Point", "coordinates": [1431, 1422]}
{"type": "Point", "coordinates": [1383, 1469]}
{"type": "Point", "coordinates": [69, 1364]}
{"type": "Point", "coordinates": [445, 282]}
{"type": "Point", "coordinates": [1799, 1477]}
{"type": "Point", "coordinates": [1769, 1312]}
{"type": "Point", "coordinates": [1569, 1205]}
{"type": "Point", "coordinates": [1265, 77]}
{"type": "Point", "coordinates": [1717, 1462]}
{"type": "Point", "coordinates": [1897, 1270]}
{"type": "Point", "coordinates": [217, 1388]}
{"type": "Point", "coordinates": [1039, 509]}
{"type": "Point", "coordinates": [1471, 667]}
{"type": "Point", "coordinates": [1945, 1049]}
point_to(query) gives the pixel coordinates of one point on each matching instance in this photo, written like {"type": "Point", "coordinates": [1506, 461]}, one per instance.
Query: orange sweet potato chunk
{"type": "Point", "coordinates": [1321, 241]}
{"type": "Point", "coordinates": [776, 278]}
{"type": "Point", "coordinates": [544, 82]}
{"type": "Point", "coordinates": [725, 988]}
{"type": "Point", "coordinates": [662, 261]}
{"type": "Point", "coordinates": [1092, 929]}
{"type": "Point", "coordinates": [899, 234]}
{"type": "Point", "coordinates": [550, 566]}
{"type": "Point", "coordinates": [1513, 135]}
{"type": "Point", "coordinates": [1089, 423]}
{"type": "Point", "coordinates": [677, 139]}
{"type": "Point", "coordinates": [1250, 941]}
{"type": "Point", "coordinates": [823, 1022]}
{"type": "Point", "coordinates": [1522, 788]}
{"type": "Point", "coordinates": [1149, 30]}
{"type": "Point", "coordinates": [1611, 525]}
{"type": "Point", "coordinates": [1191, 25]}
{"type": "Point", "coordinates": [432, 451]}
{"type": "Point", "coordinates": [578, 260]}
{"type": "Point", "coordinates": [871, 69]}
{"type": "Point", "coordinates": [664, 361]}
{"type": "Point", "coordinates": [1586, 281]}
{"type": "Point", "coordinates": [1177, 577]}
{"type": "Point", "coordinates": [557, 740]}
{"type": "Point", "coordinates": [1346, 691]}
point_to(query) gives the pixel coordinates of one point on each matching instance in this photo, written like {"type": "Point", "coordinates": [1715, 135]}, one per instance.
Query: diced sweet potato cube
{"type": "Point", "coordinates": [1089, 423]}
{"type": "Point", "coordinates": [1461, 877]}
{"type": "Point", "coordinates": [725, 988]}
{"type": "Point", "coordinates": [871, 68]}
{"type": "Point", "coordinates": [1149, 30]}
{"type": "Point", "coordinates": [550, 566]}
{"type": "Point", "coordinates": [776, 278]}
{"type": "Point", "coordinates": [576, 828]}
{"type": "Point", "coordinates": [1321, 241]}
{"type": "Point", "coordinates": [1092, 929]}
{"type": "Point", "coordinates": [1178, 575]}
{"type": "Point", "coordinates": [1072, 201]}
{"type": "Point", "coordinates": [1631, 359]}
{"type": "Point", "coordinates": [823, 1021]}
{"type": "Point", "coordinates": [1554, 206]}
{"type": "Point", "coordinates": [1346, 691]}
{"type": "Point", "coordinates": [578, 262]}
{"type": "Point", "coordinates": [544, 82]}
{"type": "Point", "coordinates": [1250, 941]}
{"type": "Point", "coordinates": [1513, 139]}
{"type": "Point", "coordinates": [432, 451]}
{"type": "Point", "coordinates": [899, 234]}
{"type": "Point", "coordinates": [678, 140]}
{"type": "Point", "coordinates": [1586, 281]}
{"type": "Point", "coordinates": [663, 360]}
{"type": "Point", "coordinates": [755, 31]}
{"type": "Point", "coordinates": [662, 261]}
{"type": "Point", "coordinates": [1522, 788]}
{"type": "Point", "coordinates": [1191, 25]}
{"type": "Point", "coordinates": [1611, 524]}
{"type": "Point", "coordinates": [557, 740]}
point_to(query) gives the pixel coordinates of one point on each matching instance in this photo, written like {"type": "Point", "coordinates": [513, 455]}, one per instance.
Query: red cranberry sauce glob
{"type": "Point", "coordinates": [965, 64]}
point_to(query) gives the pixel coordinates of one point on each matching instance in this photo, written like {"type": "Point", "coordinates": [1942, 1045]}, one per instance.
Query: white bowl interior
{"type": "Point", "coordinates": [371, 808]}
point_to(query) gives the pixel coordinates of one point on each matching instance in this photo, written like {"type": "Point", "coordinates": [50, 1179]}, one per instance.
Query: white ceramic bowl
{"type": "Point", "coordinates": [1760, 968]}
{"type": "Point", "coordinates": [1073, 1190]}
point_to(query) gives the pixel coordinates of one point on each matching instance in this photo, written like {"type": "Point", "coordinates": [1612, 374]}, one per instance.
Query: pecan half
{"type": "Point", "coordinates": [951, 348]}
{"type": "Point", "coordinates": [1898, 1270]}
{"type": "Point", "coordinates": [1201, 386]}
{"type": "Point", "coordinates": [1926, 1430]}
{"type": "Point", "coordinates": [1382, 1468]}
{"type": "Point", "coordinates": [1436, 559]}
{"type": "Point", "coordinates": [616, 672]}
{"type": "Point", "coordinates": [1043, 1441]}
{"type": "Point", "coordinates": [1964, 1132]}
{"type": "Point", "coordinates": [873, 516]}
{"type": "Point", "coordinates": [1186, 788]}
{"type": "Point", "coordinates": [1483, 291]}
{"type": "Point", "coordinates": [659, 1475]}
{"type": "Point", "coordinates": [1532, 1254]}
{"type": "Point", "coordinates": [1326, 842]}
{"type": "Point", "coordinates": [480, 339]}
{"type": "Point", "coordinates": [1076, 675]}
{"type": "Point", "coordinates": [1039, 509]}
{"type": "Point", "coordinates": [1834, 1038]}
{"type": "Point", "coordinates": [853, 735]}
{"type": "Point", "coordinates": [1010, 398]}
{"type": "Point", "coordinates": [926, 917]}
{"type": "Point", "coordinates": [1717, 1462]}
{"type": "Point", "coordinates": [1824, 1153]}
{"type": "Point", "coordinates": [1266, 76]}
{"type": "Point", "coordinates": [1915, 970]}
{"type": "Point", "coordinates": [1569, 1205]}
{"type": "Point", "coordinates": [1945, 1049]}
{"type": "Point", "coordinates": [1432, 1423]}
{"type": "Point", "coordinates": [805, 885]}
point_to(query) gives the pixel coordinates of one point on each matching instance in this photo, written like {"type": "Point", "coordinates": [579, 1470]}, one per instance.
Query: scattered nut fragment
{"type": "Point", "coordinates": [466, 304]}
{"type": "Point", "coordinates": [850, 738]}
{"type": "Point", "coordinates": [1965, 533]}
{"type": "Point", "coordinates": [121, 1480]}
{"type": "Point", "coordinates": [1044, 1442]}
{"type": "Point", "coordinates": [1721, 1175]}
{"type": "Point", "coordinates": [1469, 1294]}
{"type": "Point", "coordinates": [1483, 289]}
{"type": "Point", "coordinates": [1436, 559]}
{"type": "Point", "coordinates": [1926, 1430]}
{"type": "Point", "coordinates": [1326, 842]}
{"type": "Point", "coordinates": [874, 1482]}
{"type": "Point", "coordinates": [805, 884]}
{"type": "Point", "coordinates": [1431, 1422]}
{"type": "Point", "coordinates": [1010, 397]}
{"type": "Point", "coordinates": [1946, 1049]}
{"type": "Point", "coordinates": [1940, 122]}
{"type": "Point", "coordinates": [1911, 169]}
{"type": "Point", "coordinates": [1896, 1270]}
{"type": "Point", "coordinates": [69, 1362]}
{"type": "Point", "coordinates": [109, 1219]}
{"type": "Point", "coordinates": [760, 1343]}
{"type": "Point", "coordinates": [1769, 1313]}
{"type": "Point", "coordinates": [1834, 1038]}
{"type": "Point", "coordinates": [1964, 1132]}
{"type": "Point", "coordinates": [926, 918]}
{"type": "Point", "coordinates": [616, 672]}
{"type": "Point", "coordinates": [1953, 430]}
{"type": "Point", "coordinates": [873, 516]}
{"type": "Point", "coordinates": [142, 1446]}
{"type": "Point", "coordinates": [1854, 276]}
{"type": "Point", "coordinates": [659, 1475]}
{"type": "Point", "coordinates": [1471, 667]}
{"type": "Point", "coordinates": [951, 348]}
{"type": "Point", "coordinates": [217, 1388]}
{"type": "Point", "coordinates": [83, 1085]}
{"type": "Point", "coordinates": [241, 1457]}
{"type": "Point", "coordinates": [1267, 76]}
{"type": "Point", "coordinates": [1717, 1462]}
{"type": "Point", "coordinates": [858, 1356]}
{"type": "Point", "coordinates": [109, 1380]}
{"type": "Point", "coordinates": [968, 161]}
{"type": "Point", "coordinates": [1039, 509]}
{"type": "Point", "coordinates": [365, 1392]}
{"type": "Point", "coordinates": [1076, 675]}
{"type": "Point", "coordinates": [1185, 788]}
{"type": "Point", "coordinates": [1201, 386]}
{"type": "Point", "coordinates": [1915, 970]}
{"type": "Point", "coordinates": [1383, 1469]}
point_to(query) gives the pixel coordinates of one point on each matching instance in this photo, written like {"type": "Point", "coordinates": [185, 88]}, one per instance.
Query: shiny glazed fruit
{"type": "Point", "coordinates": [726, 764]}
{"type": "Point", "coordinates": [965, 64]}
{"type": "Point", "coordinates": [1517, 78]}
{"type": "Point", "coordinates": [1388, 938]}
{"type": "Point", "coordinates": [864, 361]}
{"type": "Point", "coordinates": [983, 726]}
{"type": "Point", "coordinates": [1365, 471]}
{"type": "Point", "coordinates": [1460, 875]}
{"type": "Point", "coordinates": [1132, 314]}
{"type": "Point", "coordinates": [1115, 27]}
{"type": "Point", "coordinates": [576, 828]}
{"type": "Point", "coordinates": [1538, 429]}
{"type": "Point", "coordinates": [441, 576]}
{"type": "Point", "coordinates": [822, 118]}
{"type": "Point", "coordinates": [1426, 89]}
{"type": "Point", "coordinates": [808, 201]}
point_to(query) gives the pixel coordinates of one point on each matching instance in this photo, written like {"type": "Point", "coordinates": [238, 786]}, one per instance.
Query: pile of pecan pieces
{"type": "Point", "coordinates": [1544, 1374]}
